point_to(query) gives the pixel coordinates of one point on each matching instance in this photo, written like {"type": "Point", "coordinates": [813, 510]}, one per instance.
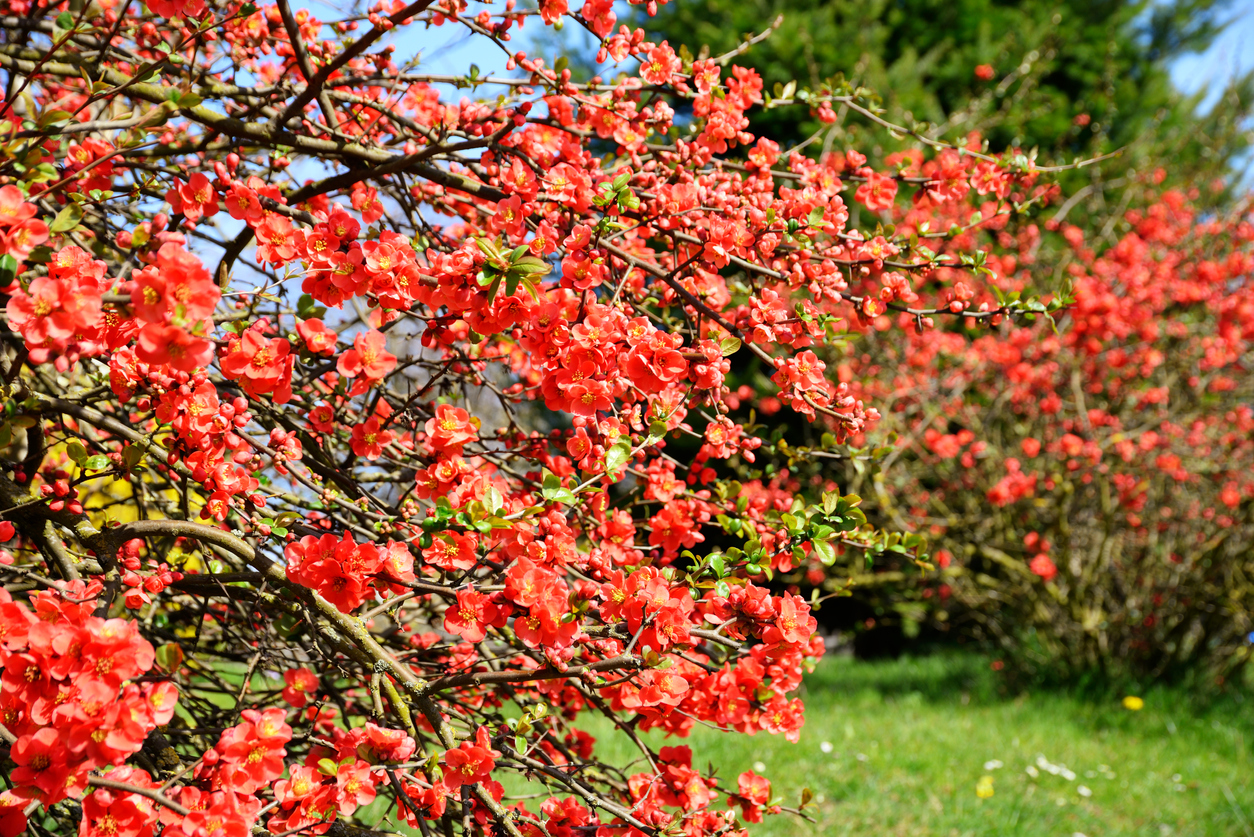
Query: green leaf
{"type": "Point", "coordinates": [327, 767]}
{"type": "Point", "coordinates": [531, 266]}
{"type": "Point", "coordinates": [76, 452]}
{"type": "Point", "coordinates": [496, 283]}
{"type": "Point", "coordinates": [67, 219]}
{"type": "Point", "coordinates": [729, 346]}
{"type": "Point", "coordinates": [531, 288]}
{"type": "Point", "coordinates": [825, 551]}
{"type": "Point", "coordinates": [493, 501]}
{"type": "Point", "coordinates": [169, 656]}
{"type": "Point", "coordinates": [564, 496]}
{"type": "Point", "coordinates": [65, 20]}
{"type": "Point", "coordinates": [617, 456]}
{"type": "Point", "coordinates": [488, 249]}
{"type": "Point", "coordinates": [8, 268]}
{"type": "Point", "coordinates": [96, 463]}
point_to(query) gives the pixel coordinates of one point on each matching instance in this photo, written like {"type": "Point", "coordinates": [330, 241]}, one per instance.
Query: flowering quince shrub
{"type": "Point", "coordinates": [320, 516]}
{"type": "Point", "coordinates": [1086, 489]}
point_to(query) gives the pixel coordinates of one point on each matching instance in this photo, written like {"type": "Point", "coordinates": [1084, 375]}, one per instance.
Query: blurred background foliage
{"type": "Point", "coordinates": [1070, 78]}
{"type": "Point", "coordinates": [1066, 80]}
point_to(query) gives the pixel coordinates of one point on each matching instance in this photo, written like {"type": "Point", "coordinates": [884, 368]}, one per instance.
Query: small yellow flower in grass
{"type": "Point", "coordinates": [984, 787]}
{"type": "Point", "coordinates": [1133, 703]}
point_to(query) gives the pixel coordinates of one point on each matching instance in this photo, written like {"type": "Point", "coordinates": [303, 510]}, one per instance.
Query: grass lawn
{"type": "Point", "coordinates": [897, 748]}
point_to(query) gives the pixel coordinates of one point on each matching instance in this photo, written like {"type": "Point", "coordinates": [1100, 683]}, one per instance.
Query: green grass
{"type": "Point", "coordinates": [909, 740]}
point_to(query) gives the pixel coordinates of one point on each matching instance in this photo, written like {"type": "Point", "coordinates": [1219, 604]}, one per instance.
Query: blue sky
{"type": "Point", "coordinates": [1230, 55]}
{"type": "Point", "coordinates": [446, 50]}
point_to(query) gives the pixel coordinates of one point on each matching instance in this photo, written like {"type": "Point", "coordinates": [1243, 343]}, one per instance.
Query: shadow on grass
{"type": "Point", "coordinates": [940, 676]}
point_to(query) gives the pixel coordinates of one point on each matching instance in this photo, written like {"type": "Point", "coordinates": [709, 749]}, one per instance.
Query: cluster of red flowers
{"type": "Point", "coordinates": [67, 696]}
{"type": "Point", "coordinates": [60, 316]}
{"type": "Point", "coordinates": [173, 299]}
{"type": "Point", "coordinates": [348, 573]}
{"type": "Point", "coordinates": [1127, 424]}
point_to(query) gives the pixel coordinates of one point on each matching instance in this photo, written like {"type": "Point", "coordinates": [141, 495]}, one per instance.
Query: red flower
{"type": "Point", "coordinates": [14, 208]}
{"type": "Point", "coordinates": [398, 564]}
{"type": "Point", "coordinates": [19, 241]}
{"type": "Point", "coordinates": [340, 569]}
{"type": "Point", "coordinates": [322, 418]}
{"type": "Point", "coordinates": [276, 240]}
{"type": "Point", "coordinates": [304, 781]}
{"type": "Point", "coordinates": [176, 289]}
{"type": "Point", "coordinates": [43, 765]}
{"type": "Point", "coordinates": [354, 784]}
{"type": "Point", "coordinates": [451, 429]}
{"type": "Point", "coordinates": [471, 616]}
{"type": "Point", "coordinates": [12, 816]}
{"type": "Point", "coordinates": [470, 763]}
{"type": "Point", "coordinates": [365, 200]}
{"type": "Point", "coordinates": [368, 357]}
{"type": "Point", "coordinates": [1043, 566]}
{"type": "Point", "coordinates": [318, 338]}
{"type": "Point", "coordinates": [251, 753]}
{"type": "Point", "coordinates": [794, 624]}
{"type": "Point", "coordinates": [300, 682]}
{"type": "Point", "coordinates": [369, 438]}
{"type": "Point", "coordinates": [260, 363]}
{"type": "Point", "coordinates": [662, 688]}
{"type": "Point", "coordinates": [55, 309]}
{"type": "Point", "coordinates": [194, 199]}
{"type": "Point", "coordinates": [589, 397]}
{"type": "Point", "coordinates": [878, 192]}
{"type": "Point", "coordinates": [241, 202]}
{"type": "Point", "coordinates": [429, 802]}
{"type": "Point", "coordinates": [110, 813]}
{"type": "Point", "coordinates": [223, 816]}
{"type": "Point", "coordinates": [753, 793]}
{"type": "Point", "coordinates": [661, 64]}
{"type": "Point", "coordinates": [543, 627]}
{"type": "Point", "coordinates": [172, 345]}
{"type": "Point", "coordinates": [453, 551]}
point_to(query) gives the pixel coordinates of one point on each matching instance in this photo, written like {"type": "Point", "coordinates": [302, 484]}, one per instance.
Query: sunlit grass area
{"type": "Point", "coordinates": [900, 747]}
